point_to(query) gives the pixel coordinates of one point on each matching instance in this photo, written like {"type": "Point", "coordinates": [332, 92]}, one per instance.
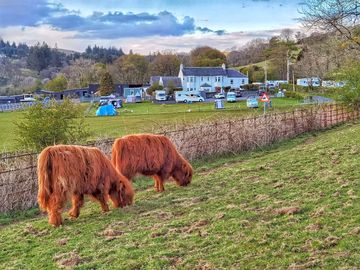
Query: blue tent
{"type": "Point", "coordinates": [106, 110]}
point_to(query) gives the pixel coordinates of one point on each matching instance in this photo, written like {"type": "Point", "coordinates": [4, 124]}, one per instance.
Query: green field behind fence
{"type": "Point", "coordinates": [147, 117]}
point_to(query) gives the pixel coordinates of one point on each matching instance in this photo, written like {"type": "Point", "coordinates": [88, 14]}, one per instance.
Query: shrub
{"type": "Point", "coordinates": [296, 95]}
{"type": "Point", "coordinates": [56, 123]}
{"type": "Point", "coordinates": [350, 93]}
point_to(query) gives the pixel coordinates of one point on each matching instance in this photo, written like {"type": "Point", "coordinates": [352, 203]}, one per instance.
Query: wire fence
{"type": "Point", "coordinates": [18, 178]}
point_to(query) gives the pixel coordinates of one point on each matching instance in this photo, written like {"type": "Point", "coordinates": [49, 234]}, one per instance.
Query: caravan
{"type": "Point", "coordinates": [188, 97]}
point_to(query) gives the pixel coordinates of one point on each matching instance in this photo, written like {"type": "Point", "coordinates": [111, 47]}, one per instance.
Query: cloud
{"type": "Point", "coordinates": [27, 12]}
{"type": "Point", "coordinates": [142, 45]}
{"type": "Point", "coordinates": [110, 25]}
{"type": "Point", "coordinates": [207, 30]}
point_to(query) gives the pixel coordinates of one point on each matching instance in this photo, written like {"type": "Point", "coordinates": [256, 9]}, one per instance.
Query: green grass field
{"type": "Point", "coordinates": [293, 205]}
{"type": "Point", "coordinates": [145, 117]}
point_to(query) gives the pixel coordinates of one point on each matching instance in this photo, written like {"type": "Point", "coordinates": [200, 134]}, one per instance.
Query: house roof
{"type": "Point", "coordinates": [154, 79]}
{"type": "Point", "coordinates": [167, 79]}
{"type": "Point", "coordinates": [212, 71]}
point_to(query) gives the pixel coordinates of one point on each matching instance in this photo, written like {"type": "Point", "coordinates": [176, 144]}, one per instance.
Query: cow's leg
{"type": "Point", "coordinates": [101, 199]}
{"type": "Point", "coordinates": [159, 185]}
{"type": "Point", "coordinates": [77, 201]}
{"type": "Point", "coordinates": [55, 208]}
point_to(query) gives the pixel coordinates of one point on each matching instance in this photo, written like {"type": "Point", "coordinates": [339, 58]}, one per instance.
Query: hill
{"type": "Point", "coordinates": [294, 205]}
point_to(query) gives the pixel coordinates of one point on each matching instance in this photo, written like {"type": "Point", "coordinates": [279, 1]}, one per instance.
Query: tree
{"type": "Point", "coordinates": [207, 57]}
{"type": "Point", "coordinates": [156, 86]}
{"type": "Point", "coordinates": [171, 87]}
{"type": "Point", "coordinates": [341, 16]}
{"type": "Point", "coordinates": [54, 124]}
{"type": "Point", "coordinates": [350, 93]}
{"type": "Point", "coordinates": [39, 57]}
{"type": "Point", "coordinates": [106, 84]}
{"type": "Point", "coordinates": [82, 72]}
{"type": "Point", "coordinates": [165, 65]}
{"type": "Point", "coordinates": [131, 69]}
{"type": "Point", "coordinates": [59, 83]}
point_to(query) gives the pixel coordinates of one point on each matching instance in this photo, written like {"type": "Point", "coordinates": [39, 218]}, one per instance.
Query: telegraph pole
{"type": "Point", "coordinates": [287, 67]}
{"type": "Point", "coordinates": [265, 69]}
{"type": "Point", "coordinates": [293, 80]}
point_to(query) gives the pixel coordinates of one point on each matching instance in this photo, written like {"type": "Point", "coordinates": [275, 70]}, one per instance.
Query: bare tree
{"type": "Point", "coordinates": [287, 34]}
{"type": "Point", "coordinates": [341, 16]}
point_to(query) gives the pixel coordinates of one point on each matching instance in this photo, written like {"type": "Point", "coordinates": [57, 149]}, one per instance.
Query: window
{"type": "Point", "coordinates": [208, 79]}
{"type": "Point", "coordinates": [243, 81]}
{"type": "Point", "coordinates": [187, 79]}
{"type": "Point", "coordinates": [191, 79]}
{"type": "Point", "coordinates": [231, 81]}
{"type": "Point", "coordinates": [202, 78]}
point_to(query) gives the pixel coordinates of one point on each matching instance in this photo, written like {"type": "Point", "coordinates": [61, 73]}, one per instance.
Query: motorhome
{"type": "Point", "coordinates": [160, 95]}
{"type": "Point", "coordinates": [187, 96]}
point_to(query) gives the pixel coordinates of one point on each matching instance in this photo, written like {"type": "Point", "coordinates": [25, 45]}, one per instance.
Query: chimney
{"type": "Point", "coordinates": [223, 66]}
{"type": "Point", "coordinates": [181, 66]}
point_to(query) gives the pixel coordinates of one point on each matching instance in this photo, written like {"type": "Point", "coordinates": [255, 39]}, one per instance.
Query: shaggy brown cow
{"type": "Point", "coordinates": [74, 171]}
{"type": "Point", "coordinates": [152, 155]}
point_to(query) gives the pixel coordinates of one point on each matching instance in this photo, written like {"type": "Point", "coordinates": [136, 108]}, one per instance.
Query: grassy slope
{"type": "Point", "coordinates": [144, 117]}
{"type": "Point", "coordinates": [226, 219]}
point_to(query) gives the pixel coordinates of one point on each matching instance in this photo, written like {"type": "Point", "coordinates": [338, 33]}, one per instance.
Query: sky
{"type": "Point", "coordinates": [145, 26]}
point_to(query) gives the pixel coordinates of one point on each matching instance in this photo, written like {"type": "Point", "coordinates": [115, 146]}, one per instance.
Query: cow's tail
{"type": "Point", "coordinates": [44, 178]}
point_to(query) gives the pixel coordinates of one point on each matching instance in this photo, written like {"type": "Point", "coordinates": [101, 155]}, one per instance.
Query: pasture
{"type": "Point", "coordinates": [292, 205]}
{"type": "Point", "coordinates": [147, 117]}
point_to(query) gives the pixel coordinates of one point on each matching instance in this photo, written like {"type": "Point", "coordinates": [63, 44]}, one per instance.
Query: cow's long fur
{"type": "Point", "coordinates": [67, 171]}
{"type": "Point", "coordinates": [152, 155]}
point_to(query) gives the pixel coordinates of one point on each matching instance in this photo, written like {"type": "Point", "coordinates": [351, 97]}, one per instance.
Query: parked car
{"type": "Point", "coordinates": [239, 93]}
{"type": "Point", "coordinates": [231, 97]}
{"type": "Point", "coordinates": [252, 102]}
{"type": "Point", "coordinates": [219, 95]}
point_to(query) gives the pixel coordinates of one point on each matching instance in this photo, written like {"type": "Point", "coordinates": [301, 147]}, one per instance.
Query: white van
{"type": "Point", "coordinates": [184, 96]}
{"type": "Point", "coordinates": [160, 95]}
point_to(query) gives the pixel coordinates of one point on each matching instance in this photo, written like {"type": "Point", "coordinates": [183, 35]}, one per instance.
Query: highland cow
{"type": "Point", "coordinates": [151, 155]}
{"type": "Point", "coordinates": [66, 171]}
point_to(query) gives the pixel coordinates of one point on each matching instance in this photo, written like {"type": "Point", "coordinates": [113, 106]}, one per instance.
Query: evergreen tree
{"type": "Point", "coordinates": [106, 84]}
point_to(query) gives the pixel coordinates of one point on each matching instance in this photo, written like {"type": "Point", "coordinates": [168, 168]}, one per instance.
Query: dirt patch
{"type": "Point", "coordinates": [158, 215]}
{"type": "Point", "coordinates": [313, 227]}
{"type": "Point", "coordinates": [306, 265]}
{"type": "Point", "coordinates": [68, 260]}
{"type": "Point", "coordinates": [30, 230]}
{"type": "Point", "coordinates": [220, 216]}
{"type": "Point", "coordinates": [288, 211]}
{"type": "Point", "coordinates": [261, 197]}
{"type": "Point", "coordinates": [331, 241]}
{"type": "Point", "coordinates": [62, 242]}
{"type": "Point", "coordinates": [111, 234]}
{"type": "Point", "coordinates": [278, 185]}
{"type": "Point", "coordinates": [318, 213]}
{"type": "Point", "coordinates": [355, 231]}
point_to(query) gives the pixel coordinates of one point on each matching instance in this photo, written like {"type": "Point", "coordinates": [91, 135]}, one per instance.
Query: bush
{"type": "Point", "coordinates": [350, 93]}
{"type": "Point", "coordinates": [54, 124]}
{"type": "Point", "coordinates": [296, 95]}
{"type": "Point", "coordinates": [156, 86]}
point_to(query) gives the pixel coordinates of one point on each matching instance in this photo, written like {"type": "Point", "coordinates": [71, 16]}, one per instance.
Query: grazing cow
{"type": "Point", "coordinates": [66, 171]}
{"type": "Point", "coordinates": [152, 155]}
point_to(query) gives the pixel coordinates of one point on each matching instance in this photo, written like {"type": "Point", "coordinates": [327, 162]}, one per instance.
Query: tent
{"type": "Point", "coordinates": [106, 110]}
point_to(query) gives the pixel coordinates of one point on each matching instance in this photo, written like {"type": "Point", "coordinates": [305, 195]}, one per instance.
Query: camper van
{"type": "Point", "coordinates": [160, 95]}
{"type": "Point", "coordinates": [186, 96]}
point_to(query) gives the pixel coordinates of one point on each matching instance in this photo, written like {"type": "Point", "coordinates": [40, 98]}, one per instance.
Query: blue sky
{"type": "Point", "coordinates": [145, 25]}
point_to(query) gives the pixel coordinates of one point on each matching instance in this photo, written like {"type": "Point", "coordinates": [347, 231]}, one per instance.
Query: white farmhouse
{"type": "Point", "coordinates": [211, 79]}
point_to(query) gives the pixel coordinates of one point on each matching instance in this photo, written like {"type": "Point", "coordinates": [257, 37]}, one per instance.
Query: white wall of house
{"type": "Point", "coordinates": [193, 83]}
